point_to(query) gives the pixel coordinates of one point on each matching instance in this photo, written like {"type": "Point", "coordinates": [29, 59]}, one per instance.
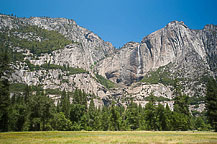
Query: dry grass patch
{"type": "Point", "coordinates": [108, 137]}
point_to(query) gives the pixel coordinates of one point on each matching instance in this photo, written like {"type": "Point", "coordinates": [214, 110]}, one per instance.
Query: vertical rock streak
{"type": "Point", "coordinates": [139, 60]}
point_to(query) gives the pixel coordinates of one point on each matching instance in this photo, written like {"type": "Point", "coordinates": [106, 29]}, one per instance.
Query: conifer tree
{"type": "Point", "coordinates": [211, 102]}
{"type": "Point", "coordinates": [78, 111]}
{"type": "Point", "coordinates": [27, 93]}
{"type": "Point", "coordinates": [4, 89]}
{"type": "Point", "coordinates": [91, 114]}
{"type": "Point", "coordinates": [65, 104]}
{"type": "Point", "coordinates": [181, 114]}
{"type": "Point", "coordinates": [167, 121]}
{"type": "Point", "coordinates": [132, 116]}
{"type": "Point", "coordinates": [142, 122]}
{"type": "Point", "coordinates": [104, 118]}
{"type": "Point", "coordinates": [150, 114]}
{"type": "Point", "coordinates": [161, 119]}
{"type": "Point", "coordinates": [114, 118]}
{"type": "Point", "coordinates": [18, 114]}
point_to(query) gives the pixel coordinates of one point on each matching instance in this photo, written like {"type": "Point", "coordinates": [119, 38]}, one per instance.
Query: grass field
{"type": "Point", "coordinates": [102, 137]}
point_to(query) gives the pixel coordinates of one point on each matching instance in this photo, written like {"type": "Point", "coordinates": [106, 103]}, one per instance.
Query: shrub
{"type": "Point", "coordinates": [107, 83]}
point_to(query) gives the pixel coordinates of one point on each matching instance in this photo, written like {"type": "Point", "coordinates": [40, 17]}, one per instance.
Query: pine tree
{"type": "Point", "coordinates": [91, 115]}
{"type": "Point", "coordinates": [211, 102]}
{"type": "Point", "coordinates": [104, 118]}
{"type": "Point", "coordinates": [150, 114]}
{"type": "Point", "coordinates": [161, 119]}
{"type": "Point", "coordinates": [4, 90]}
{"type": "Point", "coordinates": [167, 120]}
{"type": "Point", "coordinates": [76, 97]}
{"type": "Point", "coordinates": [27, 93]}
{"type": "Point", "coordinates": [181, 103]}
{"type": "Point", "coordinates": [42, 110]}
{"type": "Point", "coordinates": [84, 99]}
{"type": "Point", "coordinates": [132, 116]}
{"type": "Point", "coordinates": [78, 111]}
{"type": "Point", "coordinates": [18, 114]}
{"type": "Point", "coordinates": [142, 122]}
{"type": "Point", "coordinates": [76, 114]}
{"type": "Point", "coordinates": [48, 111]}
{"type": "Point", "coordinates": [181, 114]}
{"type": "Point", "coordinates": [65, 104]}
{"type": "Point", "coordinates": [114, 118]}
{"type": "Point", "coordinates": [97, 122]}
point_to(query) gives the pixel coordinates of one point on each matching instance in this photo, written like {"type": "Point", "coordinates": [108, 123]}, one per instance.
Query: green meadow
{"type": "Point", "coordinates": [107, 137]}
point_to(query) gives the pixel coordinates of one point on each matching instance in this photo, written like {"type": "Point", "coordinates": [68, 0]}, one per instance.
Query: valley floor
{"type": "Point", "coordinates": [100, 137]}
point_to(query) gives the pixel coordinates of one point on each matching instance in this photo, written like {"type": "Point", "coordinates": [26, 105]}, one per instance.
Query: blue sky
{"type": "Point", "coordinates": [119, 21]}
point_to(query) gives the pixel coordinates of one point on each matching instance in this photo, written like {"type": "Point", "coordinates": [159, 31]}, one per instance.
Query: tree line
{"type": "Point", "coordinates": [38, 112]}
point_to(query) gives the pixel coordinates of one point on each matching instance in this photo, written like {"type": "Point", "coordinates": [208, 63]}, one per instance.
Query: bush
{"type": "Point", "coordinates": [17, 87]}
{"type": "Point", "coordinates": [76, 71]}
{"type": "Point", "coordinates": [53, 91]}
{"type": "Point", "coordinates": [107, 83]}
{"type": "Point", "coordinates": [60, 122]}
{"type": "Point", "coordinates": [159, 99]}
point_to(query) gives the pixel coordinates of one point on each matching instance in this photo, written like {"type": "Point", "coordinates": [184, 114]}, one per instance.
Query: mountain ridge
{"type": "Point", "coordinates": [133, 71]}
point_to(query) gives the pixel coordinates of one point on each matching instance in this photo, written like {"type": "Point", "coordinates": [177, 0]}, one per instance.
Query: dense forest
{"type": "Point", "coordinates": [35, 111]}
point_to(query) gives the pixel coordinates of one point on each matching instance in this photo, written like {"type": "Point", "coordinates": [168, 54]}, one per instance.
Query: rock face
{"type": "Point", "coordinates": [91, 49]}
{"type": "Point", "coordinates": [209, 37]}
{"type": "Point", "coordinates": [178, 51]}
{"type": "Point", "coordinates": [122, 66]}
{"type": "Point", "coordinates": [175, 43]}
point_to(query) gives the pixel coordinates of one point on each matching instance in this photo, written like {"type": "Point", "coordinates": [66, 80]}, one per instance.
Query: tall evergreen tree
{"type": "Point", "coordinates": [114, 118]}
{"type": "Point", "coordinates": [150, 114]}
{"type": "Point", "coordinates": [181, 114]}
{"type": "Point", "coordinates": [91, 114]}
{"type": "Point", "coordinates": [104, 118]}
{"type": "Point", "coordinates": [65, 104]}
{"type": "Point", "coordinates": [161, 119]}
{"type": "Point", "coordinates": [27, 93]}
{"type": "Point", "coordinates": [4, 89]}
{"type": "Point", "coordinates": [167, 120]}
{"type": "Point", "coordinates": [211, 102]}
{"type": "Point", "coordinates": [42, 110]}
{"type": "Point", "coordinates": [78, 112]}
{"type": "Point", "coordinates": [132, 116]}
{"type": "Point", "coordinates": [18, 114]}
{"type": "Point", "coordinates": [142, 122]}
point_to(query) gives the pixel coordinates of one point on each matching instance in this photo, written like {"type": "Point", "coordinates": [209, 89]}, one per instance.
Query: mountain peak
{"type": "Point", "coordinates": [176, 23]}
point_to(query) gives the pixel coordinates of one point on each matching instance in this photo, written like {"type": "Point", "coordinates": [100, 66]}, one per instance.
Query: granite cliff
{"type": "Point", "coordinates": [83, 60]}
